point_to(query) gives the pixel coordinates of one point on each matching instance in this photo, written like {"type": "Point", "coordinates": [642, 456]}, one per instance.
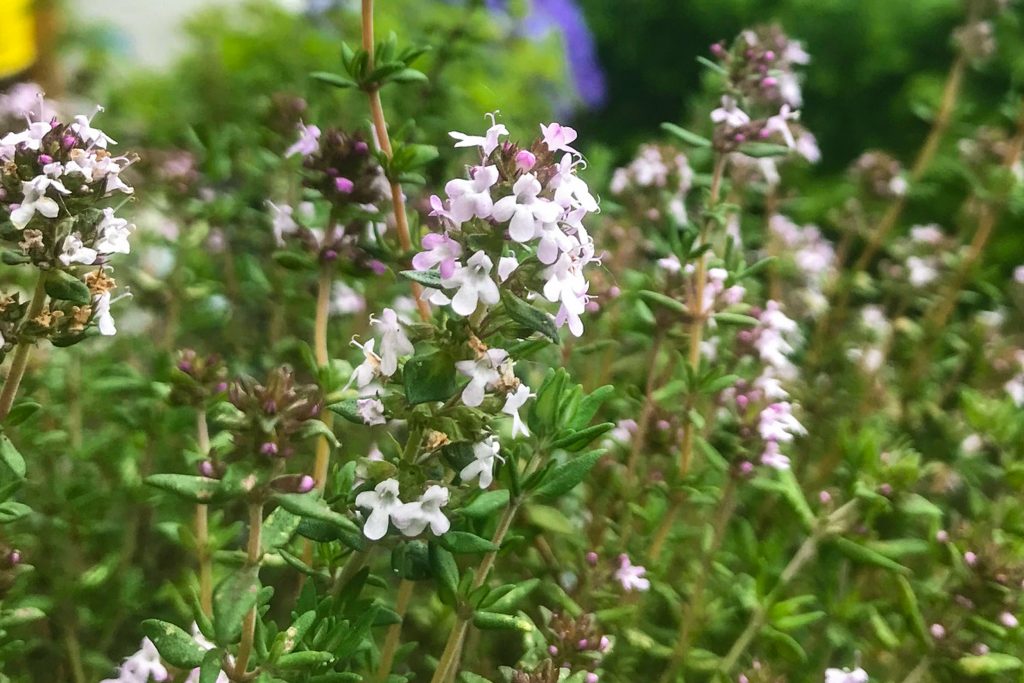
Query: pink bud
{"type": "Point", "coordinates": [739, 137]}
{"type": "Point", "coordinates": [970, 558]}
{"type": "Point", "coordinates": [769, 56]}
{"type": "Point", "coordinates": [942, 536]}
{"type": "Point", "coordinates": [592, 558]}
{"type": "Point", "coordinates": [552, 650]}
{"type": "Point", "coordinates": [344, 185]}
{"type": "Point", "coordinates": [614, 292]}
{"type": "Point", "coordinates": [361, 147]}
{"type": "Point", "coordinates": [269, 448]}
{"type": "Point", "coordinates": [591, 677]}
{"type": "Point", "coordinates": [717, 49]}
{"type": "Point", "coordinates": [329, 255]}
{"type": "Point", "coordinates": [746, 467]}
{"type": "Point", "coordinates": [306, 484]}
{"type": "Point", "coordinates": [582, 644]}
{"type": "Point", "coordinates": [15, 558]}
{"type": "Point", "coordinates": [938, 631]}
{"type": "Point", "coordinates": [825, 497]}
{"type": "Point", "coordinates": [525, 160]}
{"type": "Point", "coordinates": [664, 424]}
{"type": "Point", "coordinates": [604, 644]}
{"type": "Point", "coordinates": [769, 82]}
{"type": "Point", "coordinates": [206, 469]}
{"type": "Point", "coordinates": [1008, 620]}
{"type": "Point", "coordinates": [742, 400]}
{"type": "Point", "coordinates": [378, 267]}
{"type": "Point", "coordinates": [45, 159]}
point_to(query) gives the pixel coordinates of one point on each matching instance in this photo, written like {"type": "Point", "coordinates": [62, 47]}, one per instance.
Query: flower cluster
{"type": "Point", "coordinates": [809, 258]}
{"type": "Point", "coordinates": [516, 220]}
{"type": "Point", "coordinates": [55, 181]}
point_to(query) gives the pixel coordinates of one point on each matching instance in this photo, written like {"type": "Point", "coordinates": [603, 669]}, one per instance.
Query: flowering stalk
{"type": "Point", "coordinates": [202, 524]}
{"type": "Point", "coordinates": [387, 654]}
{"type": "Point", "coordinates": [384, 141]}
{"type": "Point", "coordinates": [252, 559]}
{"type": "Point", "coordinates": [22, 351]}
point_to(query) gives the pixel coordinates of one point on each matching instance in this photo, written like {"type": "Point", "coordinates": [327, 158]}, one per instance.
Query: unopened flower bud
{"type": "Point", "coordinates": [592, 558]}
{"type": "Point", "coordinates": [970, 558]}
{"type": "Point", "coordinates": [269, 448]}
{"type": "Point", "coordinates": [206, 469]}
{"type": "Point", "coordinates": [942, 536]}
{"type": "Point", "coordinates": [591, 677]}
{"type": "Point", "coordinates": [525, 160]}
{"type": "Point", "coordinates": [938, 631]}
{"type": "Point", "coordinates": [45, 159]}
{"type": "Point", "coordinates": [306, 484]}
{"type": "Point", "coordinates": [582, 644]}
{"type": "Point", "coordinates": [552, 650]}
{"type": "Point", "coordinates": [360, 147]}
{"type": "Point", "coordinates": [604, 644]}
{"type": "Point", "coordinates": [344, 185]}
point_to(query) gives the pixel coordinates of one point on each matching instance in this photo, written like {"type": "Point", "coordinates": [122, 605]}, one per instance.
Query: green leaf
{"type": "Point", "coordinates": [486, 504]}
{"type": "Point", "coordinates": [278, 529]}
{"type": "Point", "coordinates": [409, 76]}
{"type": "Point", "coordinates": [313, 506]}
{"type": "Point", "coordinates": [567, 476]}
{"type": "Point", "coordinates": [304, 660]}
{"type": "Point", "coordinates": [430, 377]}
{"type": "Point", "coordinates": [991, 663]}
{"type": "Point", "coordinates": [188, 486]}
{"type": "Point", "coordinates": [760, 150]}
{"type": "Point", "coordinates": [11, 457]}
{"type": "Point", "coordinates": [549, 519]}
{"type": "Point", "coordinates": [63, 285]}
{"type": "Point", "coordinates": [427, 278]}
{"type": "Point", "coordinates": [22, 411]}
{"type": "Point", "coordinates": [175, 645]}
{"type": "Point", "coordinates": [446, 573]}
{"type": "Point", "coordinates": [489, 621]}
{"type": "Point", "coordinates": [529, 317]}
{"type": "Point", "coordinates": [864, 555]}
{"type": "Point", "coordinates": [335, 80]}
{"type": "Point", "coordinates": [463, 542]}
{"type": "Point", "coordinates": [210, 669]}
{"type": "Point", "coordinates": [12, 511]}
{"type": "Point", "coordinates": [659, 299]}
{"type": "Point", "coordinates": [908, 601]}
{"type": "Point", "coordinates": [509, 599]}
{"type": "Point", "coordinates": [727, 318]}
{"type": "Point", "coordinates": [20, 615]}
{"type": "Point", "coordinates": [232, 600]}
{"type": "Point", "coordinates": [577, 441]}
{"type": "Point", "coordinates": [411, 561]}
{"type": "Point", "coordinates": [686, 136]}
{"type": "Point", "coordinates": [348, 409]}
{"type": "Point", "coordinates": [589, 405]}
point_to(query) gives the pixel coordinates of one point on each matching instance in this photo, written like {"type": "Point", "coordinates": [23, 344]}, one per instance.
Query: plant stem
{"type": "Point", "coordinates": [22, 351]}
{"type": "Point", "coordinates": [919, 671]}
{"type": "Point", "coordinates": [384, 142]}
{"type": "Point", "coordinates": [647, 411]}
{"type": "Point", "coordinates": [449, 662]}
{"type": "Point", "coordinates": [387, 655]}
{"type": "Point", "coordinates": [723, 513]}
{"type": "Point", "coordinates": [252, 559]}
{"type": "Point", "coordinates": [699, 315]}
{"type": "Point", "coordinates": [203, 525]}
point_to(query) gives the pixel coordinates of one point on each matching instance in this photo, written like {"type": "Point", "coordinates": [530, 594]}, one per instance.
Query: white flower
{"type": "Point", "coordinates": [471, 197]}
{"type": "Point", "coordinates": [670, 264]}
{"type": "Point", "coordinates": [73, 251]}
{"type": "Point", "coordinates": [474, 283]}
{"type": "Point", "coordinates": [845, 676]}
{"type": "Point", "coordinates": [369, 369]}
{"type": "Point", "coordinates": [558, 137]}
{"type": "Point", "coordinates": [508, 264]}
{"type": "Point", "coordinates": [345, 300]}
{"type": "Point", "coordinates": [308, 142]}
{"type": "Point", "coordinates": [570, 189]}
{"type": "Point", "coordinates": [141, 666]}
{"type": "Point", "coordinates": [484, 455]}
{"type": "Point", "coordinates": [631, 576]}
{"type": "Point", "coordinates": [101, 315]}
{"type": "Point", "coordinates": [922, 271]}
{"type": "Point", "coordinates": [282, 221]}
{"type": "Point", "coordinates": [32, 137]}
{"type": "Point", "coordinates": [513, 402]}
{"type": "Point", "coordinates": [393, 342]}
{"type": "Point", "coordinates": [483, 374]}
{"type": "Point", "coordinates": [36, 200]}
{"type": "Point", "coordinates": [487, 143]}
{"type": "Point", "coordinates": [371, 410]}
{"type": "Point", "coordinates": [552, 243]}
{"type": "Point", "coordinates": [112, 234]}
{"type": "Point", "coordinates": [413, 518]}
{"type": "Point", "coordinates": [730, 114]}
{"type": "Point", "coordinates": [777, 423]}
{"type": "Point", "coordinates": [566, 284]}
{"type": "Point", "coordinates": [771, 457]}
{"type": "Point", "coordinates": [206, 645]}
{"type": "Point", "coordinates": [90, 135]}
{"type": "Point", "coordinates": [780, 124]}
{"type": "Point", "coordinates": [526, 209]}
{"type": "Point", "coordinates": [382, 502]}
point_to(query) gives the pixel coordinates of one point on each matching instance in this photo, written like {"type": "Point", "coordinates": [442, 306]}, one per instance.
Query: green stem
{"type": "Point", "coordinates": [22, 351]}
{"type": "Point", "coordinates": [387, 654]}
{"type": "Point", "coordinates": [204, 557]}
{"type": "Point", "coordinates": [252, 559]}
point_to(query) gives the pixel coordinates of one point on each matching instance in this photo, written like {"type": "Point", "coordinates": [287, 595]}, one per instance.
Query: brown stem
{"type": "Point", "coordinates": [22, 351]}
{"type": "Point", "coordinates": [647, 411]}
{"type": "Point", "coordinates": [384, 141]}
{"type": "Point", "coordinates": [252, 559]}
{"type": "Point", "coordinates": [204, 557]}
{"type": "Point", "coordinates": [387, 655]}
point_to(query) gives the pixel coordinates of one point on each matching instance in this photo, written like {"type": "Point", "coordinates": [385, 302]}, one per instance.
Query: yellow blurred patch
{"type": "Point", "coordinates": [17, 36]}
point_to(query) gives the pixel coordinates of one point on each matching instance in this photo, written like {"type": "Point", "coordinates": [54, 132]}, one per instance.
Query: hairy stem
{"type": "Point", "coordinates": [387, 654]}
{"type": "Point", "coordinates": [22, 351]}
{"type": "Point", "coordinates": [380, 126]}
{"type": "Point", "coordinates": [252, 559]}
